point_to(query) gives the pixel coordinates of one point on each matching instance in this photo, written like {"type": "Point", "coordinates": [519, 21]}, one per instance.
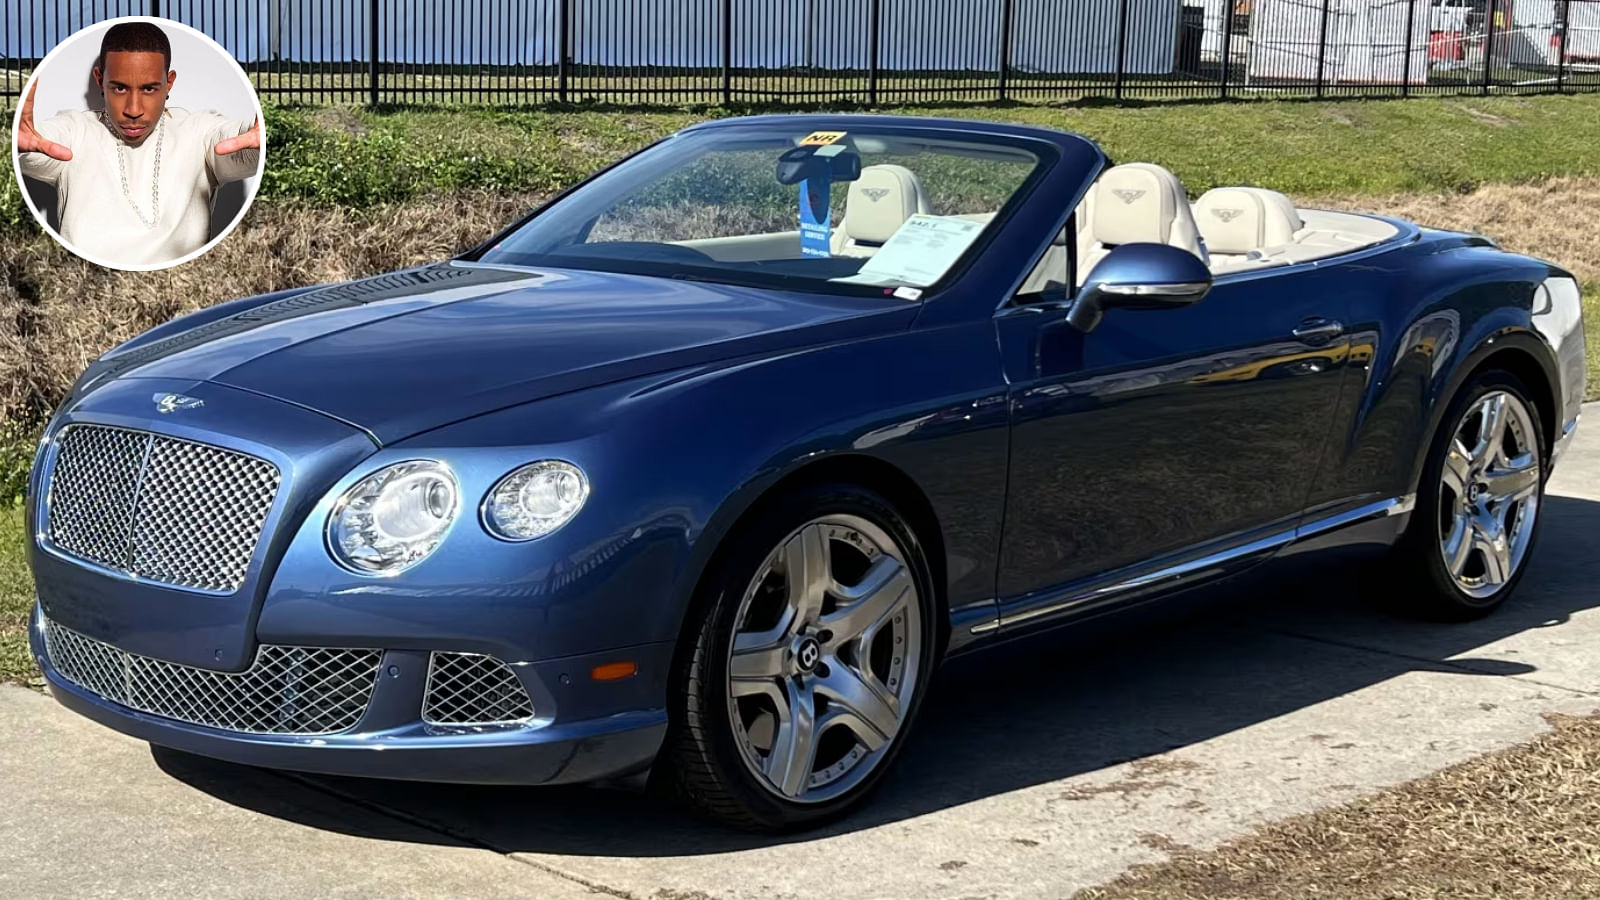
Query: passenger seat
{"type": "Point", "coordinates": [879, 202]}
{"type": "Point", "coordinates": [1239, 223]}
{"type": "Point", "coordinates": [1137, 203]}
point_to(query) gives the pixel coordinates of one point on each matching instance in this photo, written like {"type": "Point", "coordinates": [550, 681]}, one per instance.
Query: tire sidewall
{"type": "Point", "coordinates": [724, 592]}
{"type": "Point", "coordinates": [1451, 599]}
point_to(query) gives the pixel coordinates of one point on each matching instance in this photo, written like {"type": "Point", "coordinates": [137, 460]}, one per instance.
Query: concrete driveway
{"type": "Point", "coordinates": [1029, 777]}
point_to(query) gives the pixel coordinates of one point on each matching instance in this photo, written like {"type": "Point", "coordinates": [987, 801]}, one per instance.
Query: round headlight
{"type": "Point", "coordinates": [535, 500]}
{"type": "Point", "coordinates": [392, 519]}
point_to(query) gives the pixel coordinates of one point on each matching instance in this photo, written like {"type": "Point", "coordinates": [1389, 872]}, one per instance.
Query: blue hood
{"type": "Point", "coordinates": [410, 351]}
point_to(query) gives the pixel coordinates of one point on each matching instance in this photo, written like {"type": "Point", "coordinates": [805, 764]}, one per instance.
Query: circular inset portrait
{"type": "Point", "coordinates": [138, 143]}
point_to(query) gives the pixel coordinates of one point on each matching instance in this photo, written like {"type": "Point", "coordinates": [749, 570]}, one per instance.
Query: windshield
{"type": "Point", "coordinates": [883, 211]}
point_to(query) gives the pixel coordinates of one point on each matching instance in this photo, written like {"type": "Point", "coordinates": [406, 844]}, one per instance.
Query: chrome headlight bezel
{"type": "Point", "coordinates": [419, 549]}
{"type": "Point", "coordinates": [513, 483]}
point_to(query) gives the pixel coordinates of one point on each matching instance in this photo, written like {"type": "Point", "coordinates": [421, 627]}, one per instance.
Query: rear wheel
{"type": "Point", "coordinates": [1478, 505]}
{"type": "Point", "coordinates": [800, 681]}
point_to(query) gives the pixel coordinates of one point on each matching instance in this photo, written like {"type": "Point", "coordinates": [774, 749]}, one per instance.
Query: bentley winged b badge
{"type": "Point", "coordinates": [169, 403]}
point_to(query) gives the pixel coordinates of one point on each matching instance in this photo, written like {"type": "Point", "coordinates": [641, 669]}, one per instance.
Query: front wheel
{"type": "Point", "coordinates": [801, 678]}
{"type": "Point", "coordinates": [1479, 501]}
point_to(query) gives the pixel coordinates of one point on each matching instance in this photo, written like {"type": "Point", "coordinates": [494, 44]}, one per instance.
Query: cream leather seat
{"type": "Point", "coordinates": [1137, 203]}
{"type": "Point", "coordinates": [1238, 223]}
{"type": "Point", "coordinates": [879, 202]}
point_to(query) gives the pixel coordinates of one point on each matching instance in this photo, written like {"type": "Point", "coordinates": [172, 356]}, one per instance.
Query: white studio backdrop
{"type": "Point", "coordinates": [206, 81]}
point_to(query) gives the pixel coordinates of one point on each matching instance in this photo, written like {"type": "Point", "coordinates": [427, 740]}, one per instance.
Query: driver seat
{"type": "Point", "coordinates": [878, 203]}
{"type": "Point", "coordinates": [1137, 203]}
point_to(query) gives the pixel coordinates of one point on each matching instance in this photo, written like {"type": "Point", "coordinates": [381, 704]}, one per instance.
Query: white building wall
{"type": "Point", "coordinates": [1050, 36]}
{"type": "Point", "coordinates": [1366, 41]}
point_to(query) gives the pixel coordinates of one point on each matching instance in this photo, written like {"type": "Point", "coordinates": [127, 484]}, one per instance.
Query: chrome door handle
{"type": "Point", "coordinates": [1318, 331]}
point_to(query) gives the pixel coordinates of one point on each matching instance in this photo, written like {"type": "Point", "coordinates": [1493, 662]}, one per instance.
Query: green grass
{"type": "Point", "coordinates": [1344, 147]}
{"type": "Point", "coordinates": [16, 598]}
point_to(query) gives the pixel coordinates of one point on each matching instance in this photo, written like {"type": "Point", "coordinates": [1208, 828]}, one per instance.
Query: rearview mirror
{"type": "Point", "coordinates": [800, 163]}
{"type": "Point", "coordinates": [1139, 276]}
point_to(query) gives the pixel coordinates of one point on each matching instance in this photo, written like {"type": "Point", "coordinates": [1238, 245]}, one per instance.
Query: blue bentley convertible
{"type": "Point", "coordinates": [707, 465]}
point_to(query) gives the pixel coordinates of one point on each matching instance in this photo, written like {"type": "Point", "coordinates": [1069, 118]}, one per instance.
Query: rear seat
{"type": "Point", "coordinates": [1243, 225]}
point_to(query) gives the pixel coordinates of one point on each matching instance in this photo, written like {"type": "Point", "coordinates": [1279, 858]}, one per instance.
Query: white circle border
{"type": "Point", "coordinates": [16, 157]}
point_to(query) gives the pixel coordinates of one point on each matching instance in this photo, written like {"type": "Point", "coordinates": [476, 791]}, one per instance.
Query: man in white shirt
{"type": "Point", "coordinates": [134, 182]}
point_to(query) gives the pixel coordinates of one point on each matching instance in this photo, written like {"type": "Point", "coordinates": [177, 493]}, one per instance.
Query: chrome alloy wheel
{"type": "Point", "coordinates": [1489, 494]}
{"type": "Point", "coordinates": [826, 651]}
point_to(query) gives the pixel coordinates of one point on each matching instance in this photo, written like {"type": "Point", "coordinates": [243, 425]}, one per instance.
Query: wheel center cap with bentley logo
{"type": "Point", "coordinates": [168, 403]}
{"type": "Point", "coordinates": [807, 654]}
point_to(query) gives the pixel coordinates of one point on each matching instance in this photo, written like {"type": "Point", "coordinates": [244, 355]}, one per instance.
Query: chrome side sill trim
{"type": "Point", "coordinates": [1394, 506]}
{"type": "Point", "coordinates": [1172, 573]}
{"type": "Point", "coordinates": [1181, 571]}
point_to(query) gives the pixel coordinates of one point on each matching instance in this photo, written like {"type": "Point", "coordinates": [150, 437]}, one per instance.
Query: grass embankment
{"type": "Point", "coordinates": [354, 192]}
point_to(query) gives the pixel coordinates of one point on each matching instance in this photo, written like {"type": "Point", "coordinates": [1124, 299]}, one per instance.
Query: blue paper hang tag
{"type": "Point", "coordinates": [816, 213]}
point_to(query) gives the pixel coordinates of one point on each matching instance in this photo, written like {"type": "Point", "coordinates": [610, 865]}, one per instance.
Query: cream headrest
{"type": "Point", "coordinates": [1137, 203]}
{"type": "Point", "coordinates": [1238, 220]}
{"type": "Point", "coordinates": [880, 201]}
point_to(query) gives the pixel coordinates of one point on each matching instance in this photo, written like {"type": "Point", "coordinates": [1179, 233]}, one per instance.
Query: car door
{"type": "Point", "coordinates": [1164, 442]}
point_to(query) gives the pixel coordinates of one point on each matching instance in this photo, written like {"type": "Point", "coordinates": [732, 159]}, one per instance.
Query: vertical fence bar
{"type": "Point", "coordinates": [1488, 45]}
{"type": "Point", "coordinates": [1411, 36]}
{"type": "Point", "coordinates": [563, 47]}
{"type": "Point", "coordinates": [155, 8]}
{"type": "Point", "coordinates": [1007, 9]}
{"type": "Point", "coordinates": [727, 52]}
{"type": "Point", "coordinates": [1322, 48]}
{"type": "Point", "coordinates": [372, 53]}
{"type": "Point", "coordinates": [1565, 8]}
{"type": "Point", "coordinates": [1122, 47]}
{"type": "Point", "coordinates": [1227, 45]}
{"type": "Point", "coordinates": [875, 13]}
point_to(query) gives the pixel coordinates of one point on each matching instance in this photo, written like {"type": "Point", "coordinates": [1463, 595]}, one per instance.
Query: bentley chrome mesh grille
{"type": "Point", "coordinates": [472, 689]}
{"type": "Point", "coordinates": [161, 508]}
{"type": "Point", "coordinates": [286, 690]}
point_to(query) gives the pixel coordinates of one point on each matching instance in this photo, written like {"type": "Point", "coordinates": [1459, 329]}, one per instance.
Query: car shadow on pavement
{"type": "Point", "coordinates": [1035, 712]}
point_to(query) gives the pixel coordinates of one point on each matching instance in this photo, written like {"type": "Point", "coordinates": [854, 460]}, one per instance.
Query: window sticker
{"type": "Point", "coordinates": [922, 250]}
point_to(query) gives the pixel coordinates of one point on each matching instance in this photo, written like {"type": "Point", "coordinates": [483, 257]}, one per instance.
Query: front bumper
{"type": "Point", "coordinates": [391, 741]}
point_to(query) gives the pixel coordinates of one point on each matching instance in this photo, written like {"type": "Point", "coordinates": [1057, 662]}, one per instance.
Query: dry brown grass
{"type": "Point", "coordinates": [1553, 219]}
{"type": "Point", "coordinates": [1521, 823]}
{"type": "Point", "coordinates": [57, 313]}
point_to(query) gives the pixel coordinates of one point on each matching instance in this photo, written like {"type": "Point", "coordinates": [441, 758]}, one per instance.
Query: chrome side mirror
{"type": "Point", "coordinates": [1139, 276]}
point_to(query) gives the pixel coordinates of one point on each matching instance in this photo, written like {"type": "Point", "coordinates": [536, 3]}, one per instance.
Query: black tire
{"type": "Point", "coordinates": [700, 761]}
{"type": "Point", "coordinates": [1429, 591]}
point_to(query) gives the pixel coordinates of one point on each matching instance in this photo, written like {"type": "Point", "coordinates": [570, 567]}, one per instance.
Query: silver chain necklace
{"type": "Point", "coordinates": [155, 175]}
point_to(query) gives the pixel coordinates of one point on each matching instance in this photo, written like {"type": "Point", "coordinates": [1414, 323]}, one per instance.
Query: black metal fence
{"type": "Point", "coordinates": [874, 52]}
